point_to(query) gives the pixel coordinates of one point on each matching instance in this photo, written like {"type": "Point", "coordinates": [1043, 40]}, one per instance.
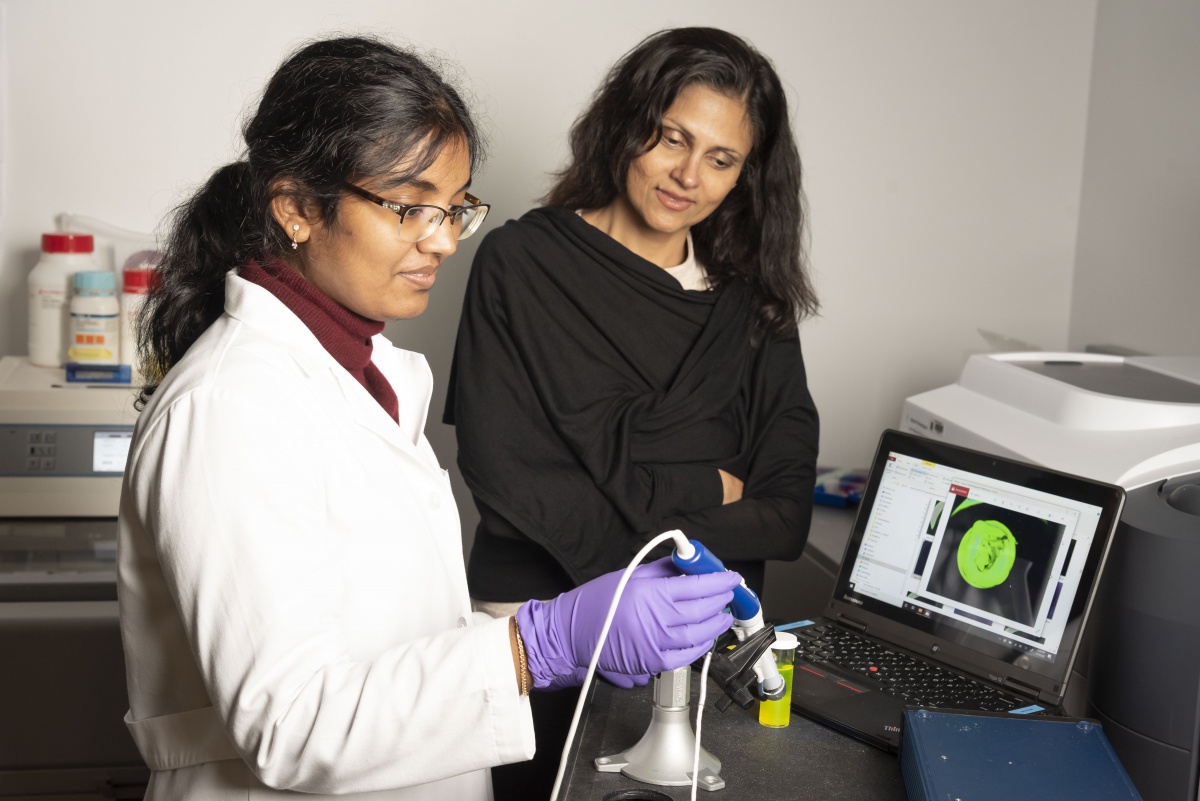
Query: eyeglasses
{"type": "Point", "coordinates": [419, 221]}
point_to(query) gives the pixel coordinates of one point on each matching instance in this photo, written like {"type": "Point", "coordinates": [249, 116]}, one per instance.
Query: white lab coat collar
{"type": "Point", "coordinates": [407, 372]}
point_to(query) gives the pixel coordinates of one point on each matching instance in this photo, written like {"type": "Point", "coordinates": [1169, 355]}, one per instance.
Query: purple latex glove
{"type": "Point", "coordinates": [664, 621]}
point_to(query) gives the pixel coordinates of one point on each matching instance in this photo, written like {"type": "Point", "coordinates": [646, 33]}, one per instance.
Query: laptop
{"type": "Point", "coordinates": [966, 584]}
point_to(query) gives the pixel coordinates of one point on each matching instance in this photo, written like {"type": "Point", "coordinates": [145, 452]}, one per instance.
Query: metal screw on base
{"type": "Point", "coordinates": [664, 754]}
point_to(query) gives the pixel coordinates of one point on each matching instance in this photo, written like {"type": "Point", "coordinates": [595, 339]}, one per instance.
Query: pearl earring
{"type": "Point", "coordinates": [295, 244]}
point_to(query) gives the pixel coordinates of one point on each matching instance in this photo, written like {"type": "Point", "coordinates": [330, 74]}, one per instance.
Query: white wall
{"type": "Point", "coordinates": [1137, 271]}
{"type": "Point", "coordinates": [943, 143]}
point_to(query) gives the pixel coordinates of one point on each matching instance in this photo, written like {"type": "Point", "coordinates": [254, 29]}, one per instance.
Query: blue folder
{"type": "Point", "coordinates": [985, 757]}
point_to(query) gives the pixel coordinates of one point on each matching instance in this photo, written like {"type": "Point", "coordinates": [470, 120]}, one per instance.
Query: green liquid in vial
{"type": "Point", "coordinates": [776, 714]}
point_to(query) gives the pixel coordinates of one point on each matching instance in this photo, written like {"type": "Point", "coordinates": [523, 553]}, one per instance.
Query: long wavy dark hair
{"type": "Point", "coordinates": [756, 235]}
{"type": "Point", "coordinates": [336, 110]}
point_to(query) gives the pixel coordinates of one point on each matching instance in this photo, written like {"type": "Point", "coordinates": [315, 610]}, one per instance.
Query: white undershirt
{"type": "Point", "coordinates": [690, 273]}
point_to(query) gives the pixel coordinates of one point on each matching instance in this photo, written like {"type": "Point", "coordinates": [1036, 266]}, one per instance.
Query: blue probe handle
{"type": "Point", "coordinates": [745, 603]}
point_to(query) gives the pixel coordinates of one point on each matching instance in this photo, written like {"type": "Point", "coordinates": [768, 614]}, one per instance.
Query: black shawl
{"type": "Point", "coordinates": [595, 399]}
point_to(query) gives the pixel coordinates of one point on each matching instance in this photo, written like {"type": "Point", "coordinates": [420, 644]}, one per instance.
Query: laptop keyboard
{"type": "Point", "coordinates": [913, 681]}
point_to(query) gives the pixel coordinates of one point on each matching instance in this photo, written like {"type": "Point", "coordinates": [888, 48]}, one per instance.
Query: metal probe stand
{"type": "Point", "coordinates": [664, 754]}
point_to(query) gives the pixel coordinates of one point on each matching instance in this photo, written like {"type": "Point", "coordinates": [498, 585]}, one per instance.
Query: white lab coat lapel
{"type": "Point", "coordinates": [255, 306]}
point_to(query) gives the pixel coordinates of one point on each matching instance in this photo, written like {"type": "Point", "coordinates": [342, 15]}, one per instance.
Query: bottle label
{"type": "Point", "coordinates": [48, 299]}
{"type": "Point", "coordinates": [95, 338]}
{"type": "Point", "coordinates": [96, 355]}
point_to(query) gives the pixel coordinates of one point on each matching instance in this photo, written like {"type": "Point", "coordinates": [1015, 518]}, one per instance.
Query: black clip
{"type": "Point", "coordinates": [732, 666]}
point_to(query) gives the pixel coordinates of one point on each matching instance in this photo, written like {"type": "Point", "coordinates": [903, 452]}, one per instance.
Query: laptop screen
{"type": "Point", "coordinates": [995, 555]}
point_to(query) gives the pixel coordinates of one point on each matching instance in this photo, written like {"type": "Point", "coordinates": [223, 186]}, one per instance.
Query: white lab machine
{"type": "Point", "coordinates": [62, 454]}
{"type": "Point", "coordinates": [1124, 420]}
{"type": "Point", "coordinates": [62, 444]}
{"type": "Point", "coordinates": [1135, 422]}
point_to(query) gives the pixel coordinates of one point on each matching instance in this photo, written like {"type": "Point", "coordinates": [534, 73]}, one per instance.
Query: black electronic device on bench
{"type": "Point", "coordinates": [966, 583]}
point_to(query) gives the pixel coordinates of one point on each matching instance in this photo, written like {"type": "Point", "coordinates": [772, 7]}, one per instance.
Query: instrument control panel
{"type": "Point", "coordinates": [76, 451]}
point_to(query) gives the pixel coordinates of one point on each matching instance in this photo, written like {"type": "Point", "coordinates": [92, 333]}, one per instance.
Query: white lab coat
{"type": "Point", "coordinates": [293, 600]}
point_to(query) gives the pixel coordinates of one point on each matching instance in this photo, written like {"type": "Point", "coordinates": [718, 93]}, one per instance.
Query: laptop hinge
{"type": "Point", "coordinates": [852, 624]}
{"type": "Point", "coordinates": [1022, 687]}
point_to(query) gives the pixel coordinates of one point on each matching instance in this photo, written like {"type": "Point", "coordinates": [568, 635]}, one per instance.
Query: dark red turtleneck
{"type": "Point", "coordinates": [346, 335]}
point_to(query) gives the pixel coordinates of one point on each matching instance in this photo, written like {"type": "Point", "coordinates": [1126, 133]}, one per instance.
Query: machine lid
{"type": "Point", "coordinates": [1118, 379]}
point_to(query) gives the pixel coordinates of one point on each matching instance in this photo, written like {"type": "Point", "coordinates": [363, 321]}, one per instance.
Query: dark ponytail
{"type": "Point", "coordinates": [336, 110]}
{"type": "Point", "coordinates": [206, 239]}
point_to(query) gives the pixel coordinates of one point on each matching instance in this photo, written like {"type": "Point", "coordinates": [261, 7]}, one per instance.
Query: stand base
{"type": "Point", "coordinates": [664, 754]}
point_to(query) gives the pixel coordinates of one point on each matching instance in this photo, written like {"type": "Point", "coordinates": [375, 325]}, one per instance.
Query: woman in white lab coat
{"type": "Point", "coordinates": [293, 600]}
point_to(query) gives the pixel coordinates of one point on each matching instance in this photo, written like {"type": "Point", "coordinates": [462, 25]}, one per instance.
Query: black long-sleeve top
{"type": "Point", "coordinates": [595, 399]}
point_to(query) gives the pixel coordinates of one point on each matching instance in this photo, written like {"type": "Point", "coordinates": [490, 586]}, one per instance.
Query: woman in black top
{"type": "Point", "coordinates": [628, 359]}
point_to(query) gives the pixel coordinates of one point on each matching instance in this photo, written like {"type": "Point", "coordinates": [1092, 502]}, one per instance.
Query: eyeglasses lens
{"type": "Point", "coordinates": [419, 222]}
{"type": "Point", "coordinates": [470, 220]}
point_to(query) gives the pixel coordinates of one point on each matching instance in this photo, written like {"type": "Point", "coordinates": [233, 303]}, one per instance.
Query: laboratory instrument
{"type": "Point", "coordinates": [1133, 421]}
{"type": "Point", "coordinates": [688, 549]}
{"type": "Point", "coordinates": [694, 559]}
{"type": "Point", "coordinates": [62, 445]}
{"type": "Point", "coordinates": [665, 753]}
{"type": "Point", "coordinates": [668, 753]}
{"type": "Point", "coordinates": [1124, 420]}
{"type": "Point", "coordinates": [1144, 682]}
{"type": "Point", "coordinates": [62, 454]}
